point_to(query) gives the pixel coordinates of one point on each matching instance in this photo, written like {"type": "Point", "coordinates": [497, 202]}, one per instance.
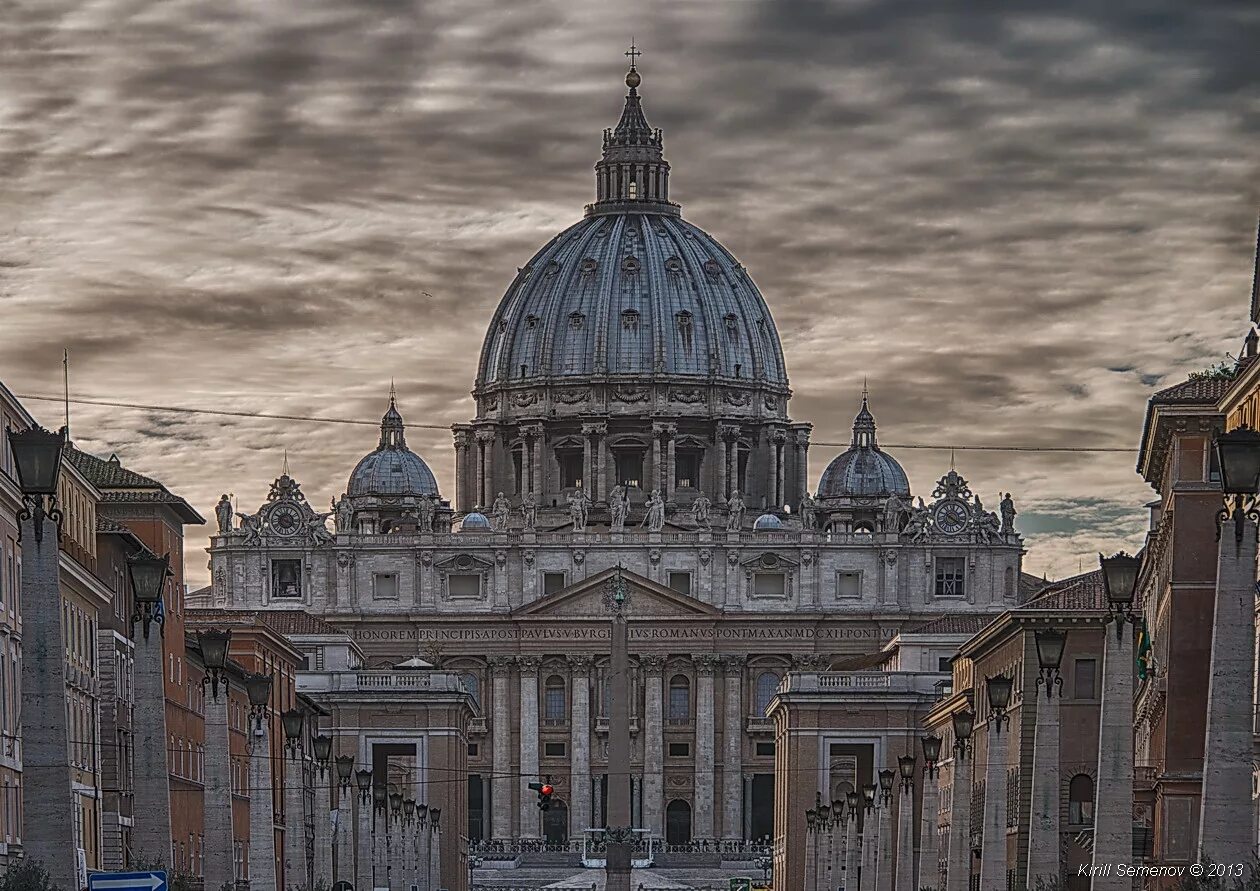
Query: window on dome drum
{"type": "Point", "coordinates": [679, 699]}
{"type": "Point", "coordinates": [687, 469]}
{"type": "Point", "coordinates": [767, 685]}
{"type": "Point", "coordinates": [384, 586]}
{"type": "Point", "coordinates": [629, 468]}
{"type": "Point", "coordinates": [1084, 673]}
{"type": "Point", "coordinates": [554, 700]}
{"type": "Point", "coordinates": [680, 582]}
{"type": "Point", "coordinates": [769, 584]}
{"type": "Point", "coordinates": [463, 585]}
{"type": "Point", "coordinates": [634, 189]}
{"type": "Point", "coordinates": [570, 461]}
{"type": "Point", "coordinates": [741, 464]}
{"type": "Point", "coordinates": [286, 578]}
{"type": "Point", "coordinates": [849, 584]}
{"type": "Point", "coordinates": [518, 469]}
{"type": "Point", "coordinates": [552, 582]}
{"type": "Point", "coordinates": [1081, 800]}
{"type": "Point", "coordinates": [950, 576]}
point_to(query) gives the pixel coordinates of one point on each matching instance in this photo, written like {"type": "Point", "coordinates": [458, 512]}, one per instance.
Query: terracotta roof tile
{"type": "Point", "coordinates": [1079, 592]}
{"type": "Point", "coordinates": [120, 485]}
{"type": "Point", "coordinates": [1208, 391]}
{"type": "Point", "coordinates": [283, 621]}
{"type": "Point", "coordinates": [864, 661]}
{"type": "Point", "coordinates": [955, 624]}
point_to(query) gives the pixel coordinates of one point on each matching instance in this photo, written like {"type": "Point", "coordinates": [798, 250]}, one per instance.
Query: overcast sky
{"type": "Point", "coordinates": [1018, 219]}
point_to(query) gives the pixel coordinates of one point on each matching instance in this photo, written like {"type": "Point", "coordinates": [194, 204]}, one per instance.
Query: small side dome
{"type": "Point", "coordinates": [767, 523]}
{"type": "Point", "coordinates": [392, 470]}
{"type": "Point", "coordinates": [474, 522]}
{"type": "Point", "coordinates": [864, 470]}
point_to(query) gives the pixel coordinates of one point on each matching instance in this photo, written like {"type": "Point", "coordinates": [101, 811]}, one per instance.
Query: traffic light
{"type": "Point", "coordinates": [545, 791]}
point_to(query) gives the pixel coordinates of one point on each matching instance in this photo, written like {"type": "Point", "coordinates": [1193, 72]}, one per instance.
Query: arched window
{"type": "Point", "coordinates": [471, 685]}
{"type": "Point", "coordinates": [677, 822]}
{"type": "Point", "coordinates": [1081, 800]}
{"type": "Point", "coordinates": [553, 699]}
{"type": "Point", "coordinates": [679, 698]}
{"type": "Point", "coordinates": [767, 684]}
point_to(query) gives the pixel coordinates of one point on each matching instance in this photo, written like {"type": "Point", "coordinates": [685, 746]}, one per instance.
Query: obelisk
{"type": "Point", "coordinates": [620, 834]}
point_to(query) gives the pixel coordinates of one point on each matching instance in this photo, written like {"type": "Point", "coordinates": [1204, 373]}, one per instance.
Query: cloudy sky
{"type": "Point", "coordinates": [1018, 219]}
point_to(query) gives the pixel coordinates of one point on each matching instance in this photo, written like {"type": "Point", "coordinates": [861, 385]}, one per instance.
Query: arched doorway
{"type": "Point", "coordinates": [556, 823]}
{"type": "Point", "coordinates": [677, 822]}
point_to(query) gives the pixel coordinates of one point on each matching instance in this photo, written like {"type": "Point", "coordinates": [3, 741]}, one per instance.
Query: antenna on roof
{"type": "Point", "coordinates": [1255, 279]}
{"type": "Point", "coordinates": [951, 459]}
{"type": "Point", "coordinates": [285, 467]}
{"type": "Point", "coordinates": [65, 370]}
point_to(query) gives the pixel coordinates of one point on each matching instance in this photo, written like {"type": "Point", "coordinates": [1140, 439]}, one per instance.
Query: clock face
{"type": "Point", "coordinates": [285, 520]}
{"type": "Point", "coordinates": [951, 517]}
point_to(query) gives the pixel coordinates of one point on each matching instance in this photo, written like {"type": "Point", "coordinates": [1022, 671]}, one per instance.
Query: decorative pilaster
{"type": "Point", "coordinates": [706, 667]}
{"type": "Point", "coordinates": [262, 833]}
{"type": "Point", "coordinates": [580, 745]}
{"type": "Point", "coordinates": [461, 471]}
{"type": "Point", "coordinates": [500, 742]}
{"type": "Point", "coordinates": [588, 467]}
{"type": "Point", "coordinates": [653, 668]}
{"type": "Point", "coordinates": [592, 481]}
{"type": "Point", "coordinates": [530, 816]}
{"type": "Point", "coordinates": [532, 434]}
{"type": "Point", "coordinates": [1225, 815]}
{"type": "Point", "coordinates": [485, 467]}
{"type": "Point", "coordinates": [733, 760]}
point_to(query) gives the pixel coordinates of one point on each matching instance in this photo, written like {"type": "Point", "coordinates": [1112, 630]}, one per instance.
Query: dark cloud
{"type": "Point", "coordinates": [1015, 218]}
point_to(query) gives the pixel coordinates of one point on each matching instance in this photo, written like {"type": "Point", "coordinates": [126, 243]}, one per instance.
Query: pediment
{"type": "Point", "coordinates": [770, 562]}
{"type": "Point", "coordinates": [646, 598]}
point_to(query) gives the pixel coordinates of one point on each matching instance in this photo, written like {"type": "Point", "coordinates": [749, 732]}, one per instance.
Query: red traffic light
{"type": "Point", "coordinates": [547, 789]}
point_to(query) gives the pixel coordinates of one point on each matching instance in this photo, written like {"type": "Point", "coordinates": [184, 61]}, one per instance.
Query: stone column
{"type": "Point", "coordinates": [588, 467]}
{"type": "Point", "coordinates": [852, 853]}
{"type": "Point", "coordinates": [993, 850]}
{"type": "Point", "coordinates": [295, 871]}
{"type": "Point", "coordinates": [217, 865]}
{"type": "Point", "coordinates": [671, 461]}
{"type": "Point", "coordinates": [811, 857]}
{"type": "Point", "coordinates": [152, 801]}
{"type": "Point", "coordinates": [1113, 795]}
{"type": "Point", "coordinates": [605, 467]}
{"type": "Point", "coordinates": [435, 856]}
{"type": "Point", "coordinates": [870, 823]}
{"type": "Point", "coordinates": [780, 455]}
{"type": "Point", "coordinates": [480, 502]}
{"type": "Point", "coordinates": [884, 848]}
{"type": "Point", "coordinates": [958, 868]}
{"type": "Point", "coordinates": [837, 852]}
{"type": "Point", "coordinates": [500, 741]}
{"type": "Point", "coordinates": [461, 470]}
{"type": "Point", "coordinates": [658, 481]}
{"type": "Point", "coordinates": [1226, 833]}
{"type": "Point", "coordinates": [580, 746]}
{"type": "Point", "coordinates": [262, 833]}
{"type": "Point", "coordinates": [706, 667]}
{"type": "Point", "coordinates": [721, 468]}
{"type": "Point", "coordinates": [365, 846]}
{"type": "Point", "coordinates": [802, 466]}
{"type": "Point", "coordinates": [653, 745]}
{"type": "Point", "coordinates": [929, 867]}
{"type": "Point", "coordinates": [343, 839]}
{"type": "Point", "coordinates": [530, 815]}
{"type": "Point", "coordinates": [905, 839]}
{"type": "Point", "coordinates": [322, 865]}
{"type": "Point", "coordinates": [1043, 833]}
{"type": "Point", "coordinates": [733, 761]}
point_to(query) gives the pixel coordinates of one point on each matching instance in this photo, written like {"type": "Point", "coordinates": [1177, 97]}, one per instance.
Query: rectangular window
{"type": "Point", "coordinates": [679, 750]}
{"type": "Point", "coordinates": [950, 574]}
{"type": "Point", "coordinates": [687, 470]}
{"type": "Point", "coordinates": [1179, 827]}
{"type": "Point", "coordinates": [464, 584]}
{"type": "Point", "coordinates": [570, 469]}
{"type": "Point", "coordinates": [1083, 679]}
{"type": "Point", "coordinates": [849, 585]}
{"type": "Point", "coordinates": [552, 582]}
{"type": "Point", "coordinates": [554, 749]}
{"type": "Point", "coordinates": [765, 748]}
{"type": "Point", "coordinates": [680, 582]}
{"type": "Point", "coordinates": [943, 663]}
{"type": "Point", "coordinates": [769, 584]}
{"type": "Point", "coordinates": [630, 469]}
{"type": "Point", "coordinates": [286, 578]}
{"type": "Point", "coordinates": [384, 586]}
{"type": "Point", "coordinates": [473, 749]}
{"type": "Point", "coordinates": [518, 470]}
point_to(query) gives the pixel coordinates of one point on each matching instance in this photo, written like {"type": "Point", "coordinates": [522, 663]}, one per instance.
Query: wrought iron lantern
{"type": "Point", "coordinates": [886, 778]}
{"type": "Point", "coordinates": [838, 815]}
{"type": "Point", "coordinates": [998, 689]}
{"type": "Point", "coordinates": [363, 782]}
{"type": "Point", "coordinates": [435, 816]}
{"type": "Point", "coordinates": [380, 797]}
{"type": "Point", "coordinates": [293, 721]}
{"type": "Point", "coordinates": [868, 796]}
{"type": "Point", "coordinates": [409, 811]}
{"type": "Point", "coordinates": [345, 770]}
{"type": "Point", "coordinates": [964, 722]}
{"type": "Point", "coordinates": [213, 644]}
{"type": "Point", "coordinates": [1050, 644]}
{"type": "Point", "coordinates": [1238, 455]}
{"type": "Point", "coordinates": [321, 748]}
{"type": "Point", "coordinates": [906, 765]}
{"type": "Point", "coordinates": [37, 459]}
{"type": "Point", "coordinates": [854, 801]}
{"type": "Point", "coordinates": [1120, 575]}
{"type": "Point", "coordinates": [258, 688]}
{"type": "Point", "coordinates": [395, 803]}
{"type": "Point", "coordinates": [931, 754]}
{"type": "Point", "coordinates": [148, 574]}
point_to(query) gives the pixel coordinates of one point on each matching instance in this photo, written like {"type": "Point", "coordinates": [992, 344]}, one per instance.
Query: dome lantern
{"type": "Point", "coordinates": [392, 469]}
{"type": "Point", "coordinates": [864, 470]}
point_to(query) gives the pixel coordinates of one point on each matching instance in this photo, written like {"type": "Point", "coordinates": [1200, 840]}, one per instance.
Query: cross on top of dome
{"type": "Point", "coordinates": [633, 173]}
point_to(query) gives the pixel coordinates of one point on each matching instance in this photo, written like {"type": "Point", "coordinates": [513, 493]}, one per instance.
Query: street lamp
{"type": "Point", "coordinates": [999, 692]}
{"type": "Point", "coordinates": [931, 754]}
{"type": "Point", "coordinates": [363, 782]}
{"type": "Point", "coordinates": [213, 644]}
{"type": "Point", "coordinates": [964, 722]}
{"type": "Point", "coordinates": [345, 770]}
{"type": "Point", "coordinates": [292, 721]}
{"type": "Point", "coordinates": [321, 746]}
{"type": "Point", "coordinates": [37, 458]}
{"type": "Point", "coordinates": [148, 578]}
{"type": "Point", "coordinates": [409, 811]}
{"type": "Point", "coordinates": [435, 816]}
{"type": "Point", "coordinates": [1050, 643]}
{"type": "Point", "coordinates": [886, 778]}
{"type": "Point", "coordinates": [395, 804]}
{"type": "Point", "coordinates": [906, 764]}
{"type": "Point", "coordinates": [1238, 454]}
{"type": "Point", "coordinates": [258, 688]}
{"type": "Point", "coordinates": [379, 796]}
{"type": "Point", "coordinates": [853, 800]}
{"type": "Point", "coordinates": [868, 796]}
{"type": "Point", "coordinates": [1120, 575]}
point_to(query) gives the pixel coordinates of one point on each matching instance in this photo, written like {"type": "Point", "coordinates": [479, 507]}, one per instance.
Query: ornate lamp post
{"type": "Point", "coordinates": [852, 850]}
{"type": "Point", "coordinates": [1113, 800]}
{"type": "Point", "coordinates": [148, 580]}
{"type": "Point", "coordinates": [823, 811]}
{"type": "Point", "coordinates": [811, 848]}
{"type": "Point", "coordinates": [839, 819]}
{"type": "Point", "coordinates": [321, 749]}
{"type": "Point", "coordinates": [345, 771]}
{"type": "Point", "coordinates": [258, 689]}
{"type": "Point", "coordinates": [345, 776]}
{"type": "Point", "coordinates": [1043, 840]}
{"type": "Point", "coordinates": [48, 814]}
{"type": "Point", "coordinates": [218, 868]}
{"type": "Point", "coordinates": [993, 855]}
{"type": "Point", "coordinates": [929, 875]}
{"type": "Point", "coordinates": [435, 848]}
{"type": "Point", "coordinates": [380, 802]}
{"type": "Point", "coordinates": [293, 721]}
{"type": "Point", "coordinates": [262, 856]}
{"type": "Point", "coordinates": [884, 847]}
{"type": "Point", "coordinates": [213, 644]}
{"type": "Point", "coordinates": [906, 767]}
{"type": "Point", "coordinates": [958, 867]}
{"type": "Point", "coordinates": [619, 834]}
{"type": "Point", "coordinates": [866, 871]}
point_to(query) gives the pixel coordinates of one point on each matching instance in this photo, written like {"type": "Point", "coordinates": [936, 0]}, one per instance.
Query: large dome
{"type": "Point", "coordinates": [632, 290]}
{"type": "Point", "coordinates": [864, 470]}
{"type": "Point", "coordinates": [632, 294]}
{"type": "Point", "coordinates": [393, 469]}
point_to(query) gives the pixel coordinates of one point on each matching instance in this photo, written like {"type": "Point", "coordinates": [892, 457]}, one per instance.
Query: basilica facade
{"type": "Point", "coordinates": [632, 417]}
